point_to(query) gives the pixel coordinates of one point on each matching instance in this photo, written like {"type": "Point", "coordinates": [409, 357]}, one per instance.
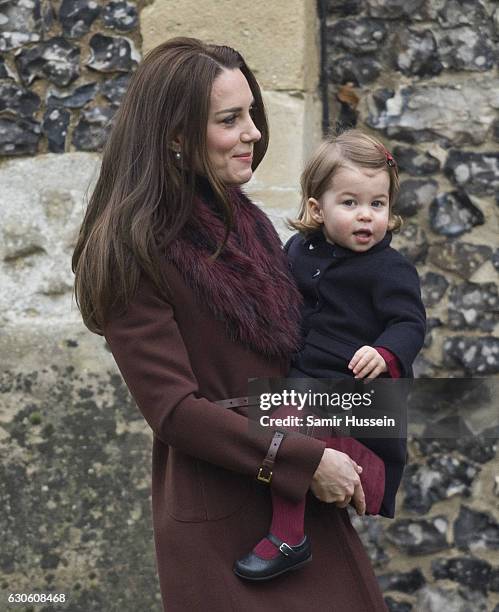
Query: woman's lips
{"type": "Point", "coordinates": [246, 157]}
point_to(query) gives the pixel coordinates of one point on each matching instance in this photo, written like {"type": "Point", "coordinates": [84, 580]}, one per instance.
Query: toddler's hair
{"type": "Point", "coordinates": [352, 146]}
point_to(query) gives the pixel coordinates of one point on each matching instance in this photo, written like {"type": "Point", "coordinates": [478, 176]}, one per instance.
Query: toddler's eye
{"type": "Point", "coordinates": [377, 204]}
{"type": "Point", "coordinates": [348, 202]}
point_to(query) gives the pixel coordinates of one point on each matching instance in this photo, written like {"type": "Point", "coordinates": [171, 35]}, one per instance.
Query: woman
{"type": "Point", "coordinates": [186, 280]}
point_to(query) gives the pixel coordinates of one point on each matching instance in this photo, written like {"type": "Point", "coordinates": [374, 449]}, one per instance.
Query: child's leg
{"type": "Point", "coordinates": [287, 525]}
{"type": "Point", "coordinates": [288, 517]}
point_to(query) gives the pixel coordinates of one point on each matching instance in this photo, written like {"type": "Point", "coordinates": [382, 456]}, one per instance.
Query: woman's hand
{"type": "Point", "coordinates": [336, 480]}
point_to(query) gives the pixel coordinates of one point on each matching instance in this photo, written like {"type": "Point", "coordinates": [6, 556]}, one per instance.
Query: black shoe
{"type": "Point", "coordinates": [253, 567]}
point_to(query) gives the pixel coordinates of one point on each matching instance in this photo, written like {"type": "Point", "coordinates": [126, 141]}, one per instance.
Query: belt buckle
{"type": "Point", "coordinates": [263, 477]}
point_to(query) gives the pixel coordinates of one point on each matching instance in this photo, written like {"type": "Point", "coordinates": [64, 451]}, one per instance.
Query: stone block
{"type": "Point", "coordinates": [466, 49]}
{"type": "Point", "coordinates": [474, 573]}
{"type": "Point", "coordinates": [474, 306]}
{"type": "Point", "coordinates": [393, 9]}
{"type": "Point", "coordinates": [360, 35]}
{"type": "Point", "coordinates": [478, 173]}
{"type": "Point", "coordinates": [419, 536]}
{"type": "Point", "coordinates": [463, 258]}
{"type": "Point", "coordinates": [453, 213]}
{"type": "Point", "coordinates": [77, 16]}
{"type": "Point", "coordinates": [417, 54]}
{"type": "Point", "coordinates": [42, 203]}
{"type": "Point", "coordinates": [457, 13]}
{"type": "Point", "coordinates": [440, 478]}
{"type": "Point", "coordinates": [433, 287]}
{"type": "Point", "coordinates": [120, 15]}
{"type": "Point", "coordinates": [461, 112]}
{"type": "Point", "coordinates": [398, 606]}
{"type": "Point", "coordinates": [20, 24]}
{"type": "Point", "coordinates": [294, 123]}
{"type": "Point", "coordinates": [416, 163]}
{"type": "Point", "coordinates": [56, 60]}
{"type": "Point", "coordinates": [75, 471]}
{"type": "Point", "coordinates": [112, 54]}
{"type": "Point", "coordinates": [18, 136]}
{"type": "Point", "coordinates": [280, 45]}
{"type": "Point", "coordinates": [434, 599]}
{"type": "Point", "coordinates": [476, 531]}
{"type": "Point", "coordinates": [479, 449]}
{"type": "Point", "coordinates": [92, 130]}
{"type": "Point", "coordinates": [414, 195]}
{"type": "Point", "coordinates": [478, 355]}
{"type": "Point", "coordinates": [279, 204]}
{"type": "Point", "coordinates": [405, 582]}
{"type": "Point", "coordinates": [412, 242]}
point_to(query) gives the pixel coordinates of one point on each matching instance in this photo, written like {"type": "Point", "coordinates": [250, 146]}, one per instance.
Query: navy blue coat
{"type": "Point", "coordinates": [351, 300]}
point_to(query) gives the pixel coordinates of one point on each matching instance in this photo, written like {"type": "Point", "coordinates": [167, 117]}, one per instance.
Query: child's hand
{"type": "Point", "coordinates": [367, 362]}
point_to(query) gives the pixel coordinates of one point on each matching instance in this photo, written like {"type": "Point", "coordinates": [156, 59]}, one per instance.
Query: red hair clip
{"type": "Point", "coordinates": [389, 159]}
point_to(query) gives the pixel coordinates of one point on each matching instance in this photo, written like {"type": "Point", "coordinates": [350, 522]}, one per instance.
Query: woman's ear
{"type": "Point", "coordinates": [315, 210]}
{"type": "Point", "coordinates": [176, 145]}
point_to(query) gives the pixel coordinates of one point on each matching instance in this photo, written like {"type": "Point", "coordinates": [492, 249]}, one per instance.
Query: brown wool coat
{"type": "Point", "coordinates": [177, 358]}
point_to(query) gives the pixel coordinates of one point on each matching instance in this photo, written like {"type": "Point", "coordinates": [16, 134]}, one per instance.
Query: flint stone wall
{"type": "Point", "coordinates": [75, 451]}
{"type": "Point", "coordinates": [422, 76]}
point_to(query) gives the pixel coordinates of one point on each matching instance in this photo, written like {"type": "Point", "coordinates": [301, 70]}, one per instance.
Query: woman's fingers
{"type": "Point", "coordinates": [359, 500]}
{"type": "Point", "coordinates": [336, 477]}
{"type": "Point", "coordinates": [344, 503]}
{"type": "Point", "coordinates": [358, 468]}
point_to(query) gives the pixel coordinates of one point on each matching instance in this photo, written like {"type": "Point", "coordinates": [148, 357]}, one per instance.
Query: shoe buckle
{"type": "Point", "coordinates": [286, 549]}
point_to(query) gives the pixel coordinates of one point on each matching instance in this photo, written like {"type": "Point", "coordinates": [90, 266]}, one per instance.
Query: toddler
{"type": "Point", "coordinates": [362, 317]}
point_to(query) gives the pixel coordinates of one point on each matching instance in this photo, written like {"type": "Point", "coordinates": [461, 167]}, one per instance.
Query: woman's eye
{"type": "Point", "coordinates": [230, 120]}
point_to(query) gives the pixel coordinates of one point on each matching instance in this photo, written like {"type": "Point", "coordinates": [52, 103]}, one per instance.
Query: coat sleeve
{"type": "Point", "coordinates": [151, 355]}
{"type": "Point", "coordinates": [397, 299]}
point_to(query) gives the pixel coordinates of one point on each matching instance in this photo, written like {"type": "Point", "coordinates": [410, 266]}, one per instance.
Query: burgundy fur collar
{"type": "Point", "coordinates": [248, 286]}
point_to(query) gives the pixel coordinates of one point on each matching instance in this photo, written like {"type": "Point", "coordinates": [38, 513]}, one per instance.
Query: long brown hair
{"type": "Point", "coordinates": [352, 146]}
{"type": "Point", "coordinates": [144, 195]}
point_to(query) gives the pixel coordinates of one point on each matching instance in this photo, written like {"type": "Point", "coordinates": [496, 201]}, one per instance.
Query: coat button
{"type": "Point", "coordinates": [316, 273]}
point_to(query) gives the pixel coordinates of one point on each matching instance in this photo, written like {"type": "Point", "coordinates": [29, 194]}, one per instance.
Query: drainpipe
{"type": "Point", "coordinates": [322, 11]}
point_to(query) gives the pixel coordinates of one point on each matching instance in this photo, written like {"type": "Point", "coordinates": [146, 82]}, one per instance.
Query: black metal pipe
{"type": "Point", "coordinates": [321, 11]}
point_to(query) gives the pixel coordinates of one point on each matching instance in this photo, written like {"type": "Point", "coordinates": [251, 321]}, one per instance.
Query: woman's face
{"type": "Point", "coordinates": [231, 132]}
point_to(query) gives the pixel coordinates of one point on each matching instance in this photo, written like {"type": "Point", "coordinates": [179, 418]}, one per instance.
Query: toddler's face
{"type": "Point", "coordinates": [354, 211]}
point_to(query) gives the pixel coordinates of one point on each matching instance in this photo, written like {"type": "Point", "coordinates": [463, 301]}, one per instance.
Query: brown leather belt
{"type": "Point", "coordinates": [237, 402]}
{"type": "Point", "coordinates": [265, 472]}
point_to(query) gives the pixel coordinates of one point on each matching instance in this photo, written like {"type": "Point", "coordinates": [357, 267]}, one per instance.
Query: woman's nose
{"type": "Point", "coordinates": [252, 133]}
